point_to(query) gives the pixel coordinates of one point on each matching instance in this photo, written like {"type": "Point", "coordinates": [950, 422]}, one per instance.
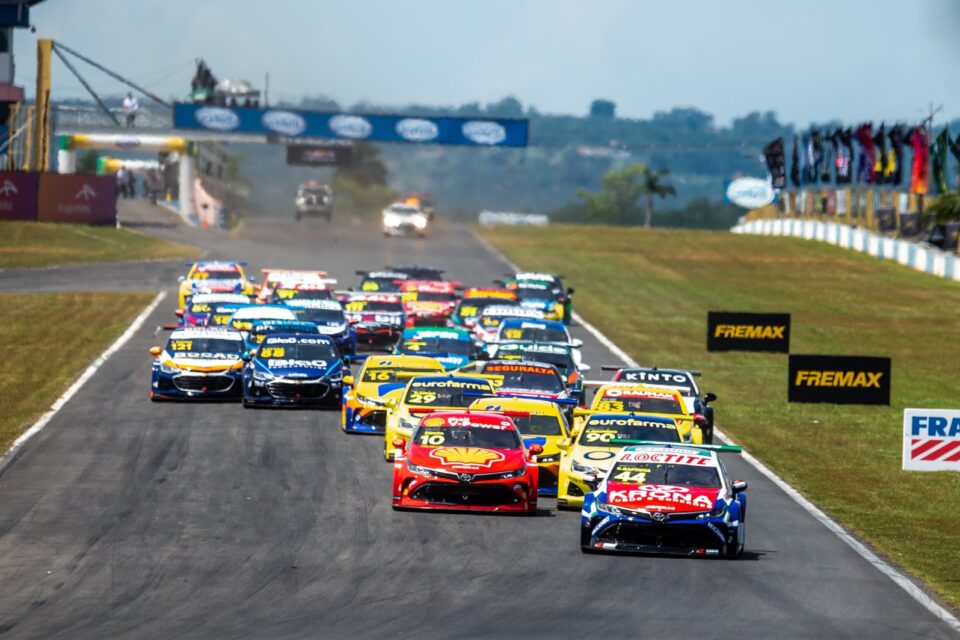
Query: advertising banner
{"type": "Point", "coordinates": [734, 331]}
{"type": "Point", "coordinates": [76, 198]}
{"type": "Point", "coordinates": [306, 155]}
{"type": "Point", "coordinates": [839, 379]}
{"type": "Point", "coordinates": [18, 195]}
{"type": "Point", "coordinates": [288, 123]}
{"type": "Point", "coordinates": [931, 440]}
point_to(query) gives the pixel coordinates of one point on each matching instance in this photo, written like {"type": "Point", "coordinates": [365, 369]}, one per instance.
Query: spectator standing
{"type": "Point", "coordinates": [131, 107]}
{"type": "Point", "coordinates": [122, 181]}
{"type": "Point", "coordinates": [131, 184]}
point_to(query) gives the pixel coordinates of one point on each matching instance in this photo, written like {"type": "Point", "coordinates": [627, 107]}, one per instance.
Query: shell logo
{"type": "Point", "coordinates": [467, 456]}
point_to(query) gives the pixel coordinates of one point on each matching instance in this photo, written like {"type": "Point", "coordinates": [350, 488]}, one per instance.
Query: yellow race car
{"type": "Point", "coordinates": [426, 394]}
{"type": "Point", "coordinates": [364, 409]}
{"type": "Point", "coordinates": [588, 454]}
{"type": "Point", "coordinates": [539, 422]}
{"type": "Point", "coordinates": [213, 277]}
{"type": "Point", "coordinates": [638, 398]}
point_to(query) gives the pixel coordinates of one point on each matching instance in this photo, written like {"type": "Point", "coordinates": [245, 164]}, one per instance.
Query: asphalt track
{"type": "Point", "coordinates": [125, 518]}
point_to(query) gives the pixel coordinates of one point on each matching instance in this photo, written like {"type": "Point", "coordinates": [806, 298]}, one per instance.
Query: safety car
{"type": "Point", "coordinates": [364, 408]}
{"type": "Point", "coordinates": [426, 394]}
{"type": "Point", "coordinates": [213, 277]}
{"type": "Point", "coordinates": [198, 362]}
{"type": "Point", "coordinates": [453, 348]}
{"type": "Point", "coordinates": [293, 369]}
{"type": "Point", "coordinates": [666, 499]}
{"type": "Point", "coordinates": [401, 219]}
{"type": "Point", "coordinates": [378, 318]}
{"type": "Point", "coordinates": [588, 453]}
{"type": "Point", "coordinates": [466, 460]}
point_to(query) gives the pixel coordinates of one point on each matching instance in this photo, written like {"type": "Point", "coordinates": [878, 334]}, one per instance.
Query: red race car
{"type": "Point", "coordinates": [428, 303]}
{"type": "Point", "coordinates": [466, 461]}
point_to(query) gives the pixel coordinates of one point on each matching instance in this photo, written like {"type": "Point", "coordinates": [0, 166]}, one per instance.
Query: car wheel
{"type": "Point", "coordinates": [733, 550]}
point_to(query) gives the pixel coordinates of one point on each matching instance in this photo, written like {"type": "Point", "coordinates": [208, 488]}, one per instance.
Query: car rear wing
{"type": "Point", "coordinates": [617, 367]}
{"type": "Point", "coordinates": [732, 448]}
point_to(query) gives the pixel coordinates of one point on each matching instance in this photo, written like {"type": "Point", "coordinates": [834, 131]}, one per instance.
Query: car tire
{"type": "Point", "coordinates": [733, 551]}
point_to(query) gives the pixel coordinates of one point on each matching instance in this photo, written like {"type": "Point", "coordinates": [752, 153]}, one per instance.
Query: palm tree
{"type": "Point", "coordinates": [652, 186]}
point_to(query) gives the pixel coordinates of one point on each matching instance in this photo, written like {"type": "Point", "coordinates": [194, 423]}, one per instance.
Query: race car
{"type": "Point", "coordinates": [198, 362]}
{"type": "Point", "coordinates": [288, 278]}
{"type": "Point", "coordinates": [537, 380]}
{"type": "Point", "coordinates": [260, 329]}
{"type": "Point", "coordinates": [539, 422]}
{"type": "Point", "coordinates": [542, 297]}
{"type": "Point", "coordinates": [426, 394]}
{"type": "Point", "coordinates": [381, 281]}
{"type": "Point", "coordinates": [198, 308]}
{"type": "Point", "coordinates": [243, 318]}
{"type": "Point", "coordinates": [377, 317]}
{"type": "Point", "coordinates": [223, 311]}
{"type": "Point", "coordinates": [364, 409]}
{"type": "Point", "coordinates": [418, 271]}
{"type": "Point", "coordinates": [293, 369]}
{"type": "Point", "coordinates": [564, 358]}
{"type": "Point", "coordinates": [627, 398]}
{"type": "Point", "coordinates": [552, 281]}
{"type": "Point", "coordinates": [453, 348]}
{"type": "Point", "coordinates": [428, 303]}
{"type": "Point", "coordinates": [679, 379]}
{"type": "Point", "coordinates": [213, 277]}
{"type": "Point", "coordinates": [587, 455]}
{"type": "Point", "coordinates": [490, 318]}
{"type": "Point", "coordinates": [666, 499]}
{"type": "Point", "coordinates": [309, 291]}
{"type": "Point", "coordinates": [330, 320]}
{"type": "Point", "coordinates": [543, 331]}
{"type": "Point", "coordinates": [467, 461]}
{"type": "Point", "coordinates": [474, 301]}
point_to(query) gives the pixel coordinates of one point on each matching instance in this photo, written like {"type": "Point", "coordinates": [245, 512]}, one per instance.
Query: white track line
{"type": "Point", "coordinates": [905, 583]}
{"type": "Point", "coordinates": [38, 426]}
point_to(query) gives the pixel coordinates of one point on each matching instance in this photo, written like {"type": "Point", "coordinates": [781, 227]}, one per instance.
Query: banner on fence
{"type": "Point", "coordinates": [79, 199]}
{"type": "Point", "coordinates": [18, 195]}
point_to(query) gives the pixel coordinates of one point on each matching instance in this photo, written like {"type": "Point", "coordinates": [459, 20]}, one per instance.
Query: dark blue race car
{"type": "Point", "coordinates": [198, 363]}
{"type": "Point", "coordinates": [293, 370]}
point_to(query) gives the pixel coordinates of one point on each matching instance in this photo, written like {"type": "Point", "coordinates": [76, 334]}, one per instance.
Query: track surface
{"type": "Point", "coordinates": [131, 519]}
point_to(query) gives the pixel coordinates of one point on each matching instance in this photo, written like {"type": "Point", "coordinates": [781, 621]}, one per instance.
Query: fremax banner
{"type": "Point", "coordinates": [294, 123]}
{"type": "Point", "coordinates": [839, 379]}
{"type": "Point", "coordinates": [931, 440]}
{"type": "Point", "coordinates": [736, 331]}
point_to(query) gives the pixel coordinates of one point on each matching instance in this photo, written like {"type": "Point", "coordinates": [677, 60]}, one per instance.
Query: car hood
{"type": "Point", "coordinates": [467, 459]}
{"type": "Point", "coordinates": [205, 364]}
{"type": "Point", "coordinates": [661, 497]}
{"type": "Point", "coordinates": [294, 368]}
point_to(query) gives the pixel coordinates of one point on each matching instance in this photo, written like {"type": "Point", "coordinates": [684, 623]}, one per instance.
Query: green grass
{"type": "Point", "coordinates": [650, 290]}
{"type": "Point", "coordinates": [41, 360]}
{"type": "Point", "coordinates": [42, 244]}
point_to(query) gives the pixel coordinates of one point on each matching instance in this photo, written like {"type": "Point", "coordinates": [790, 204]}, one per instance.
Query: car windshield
{"type": "Point", "coordinates": [687, 475]}
{"type": "Point", "coordinates": [437, 345]}
{"type": "Point", "coordinates": [562, 361]}
{"type": "Point", "coordinates": [384, 375]}
{"type": "Point", "coordinates": [430, 296]}
{"type": "Point", "coordinates": [533, 293]}
{"type": "Point", "coordinates": [257, 336]}
{"type": "Point", "coordinates": [279, 295]}
{"type": "Point", "coordinates": [525, 377]}
{"type": "Point", "coordinates": [360, 306]}
{"type": "Point", "coordinates": [534, 425]}
{"type": "Point", "coordinates": [204, 347]}
{"type": "Point", "coordinates": [216, 274]}
{"type": "Point", "coordinates": [445, 393]}
{"type": "Point", "coordinates": [638, 403]}
{"type": "Point", "coordinates": [320, 316]}
{"type": "Point", "coordinates": [603, 431]}
{"type": "Point", "coordinates": [380, 284]}
{"type": "Point", "coordinates": [422, 273]}
{"type": "Point", "coordinates": [482, 437]}
{"type": "Point", "coordinates": [534, 334]}
{"type": "Point", "coordinates": [321, 350]}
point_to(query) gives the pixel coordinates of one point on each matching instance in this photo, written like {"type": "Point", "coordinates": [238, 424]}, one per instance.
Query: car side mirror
{"type": "Point", "coordinates": [564, 444]}
{"type": "Point", "coordinates": [178, 313]}
{"type": "Point", "coordinates": [349, 380]}
{"type": "Point", "coordinates": [580, 412]}
{"type": "Point", "coordinates": [391, 403]}
{"type": "Point", "coordinates": [738, 486]}
{"type": "Point", "coordinates": [246, 356]}
{"type": "Point", "coordinates": [576, 343]}
{"type": "Point", "coordinates": [400, 443]}
{"type": "Point", "coordinates": [155, 351]}
{"type": "Point", "coordinates": [535, 450]}
{"type": "Point", "coordinates": [709, 397]}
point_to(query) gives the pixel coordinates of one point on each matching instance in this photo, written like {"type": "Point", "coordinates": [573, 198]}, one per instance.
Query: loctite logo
{"type": "Point", "coordinates": [852, 379]}
{"type": "Point", "coordinates": [750, 332]}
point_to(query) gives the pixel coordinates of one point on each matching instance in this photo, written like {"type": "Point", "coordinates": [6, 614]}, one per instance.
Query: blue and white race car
{"type": "Point", "coordinates": [293, 369]}
{"type": "Point", "coordinates": [451, 347]}
{"type": "Point", "coordinates": [198, 363]}
{"type": "Point", "coordinates": [198, 308]}
{"type": "Point", "coordinates": [666, 499]}
{"type": "Point", "coordinates": [330, 320]}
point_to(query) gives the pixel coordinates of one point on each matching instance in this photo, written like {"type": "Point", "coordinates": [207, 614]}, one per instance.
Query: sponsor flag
{"type": "Point", "coordinates": [867, 157]}
{"type": "Point", "coordinates": [880, 145]}
{"type": "Point", "coordinates": [776, 163]}
{"type": "Point", "coordinates": [931, 440]}
{"type": "Point", "coordinates": [795, 164]}
{"type": "Point", "coordinates": [919, 172]}
{"type": "Point", "coordinates": [896, 154]}
{"type": "Point", "coordinates": [938, 154]}
{"type": "Point", "coordinates": [842, 140]}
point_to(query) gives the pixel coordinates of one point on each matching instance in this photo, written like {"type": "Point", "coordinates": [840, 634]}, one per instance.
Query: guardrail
{"type": "Point", "coordinates": [70, 118]}
{"type": "Point", "coordinates": [911, 254]}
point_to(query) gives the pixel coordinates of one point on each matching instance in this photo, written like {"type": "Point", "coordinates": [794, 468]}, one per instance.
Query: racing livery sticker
{"type": "Point", "coordinates": [731, 331]}
{"type": "Point", "coordinates": [839, 379]}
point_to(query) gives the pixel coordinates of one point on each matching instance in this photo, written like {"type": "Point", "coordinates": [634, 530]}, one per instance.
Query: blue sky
{"type": "Point", "coordinates": [809, 61]}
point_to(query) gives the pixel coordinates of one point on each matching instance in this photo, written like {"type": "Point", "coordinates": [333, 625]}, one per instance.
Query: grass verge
{"type": "Point", "coordinates": [27, 389]}
{"type": "Point", "coordinates": [43, 244]}
{"type": "Point", "coordinates": [650, 290]}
